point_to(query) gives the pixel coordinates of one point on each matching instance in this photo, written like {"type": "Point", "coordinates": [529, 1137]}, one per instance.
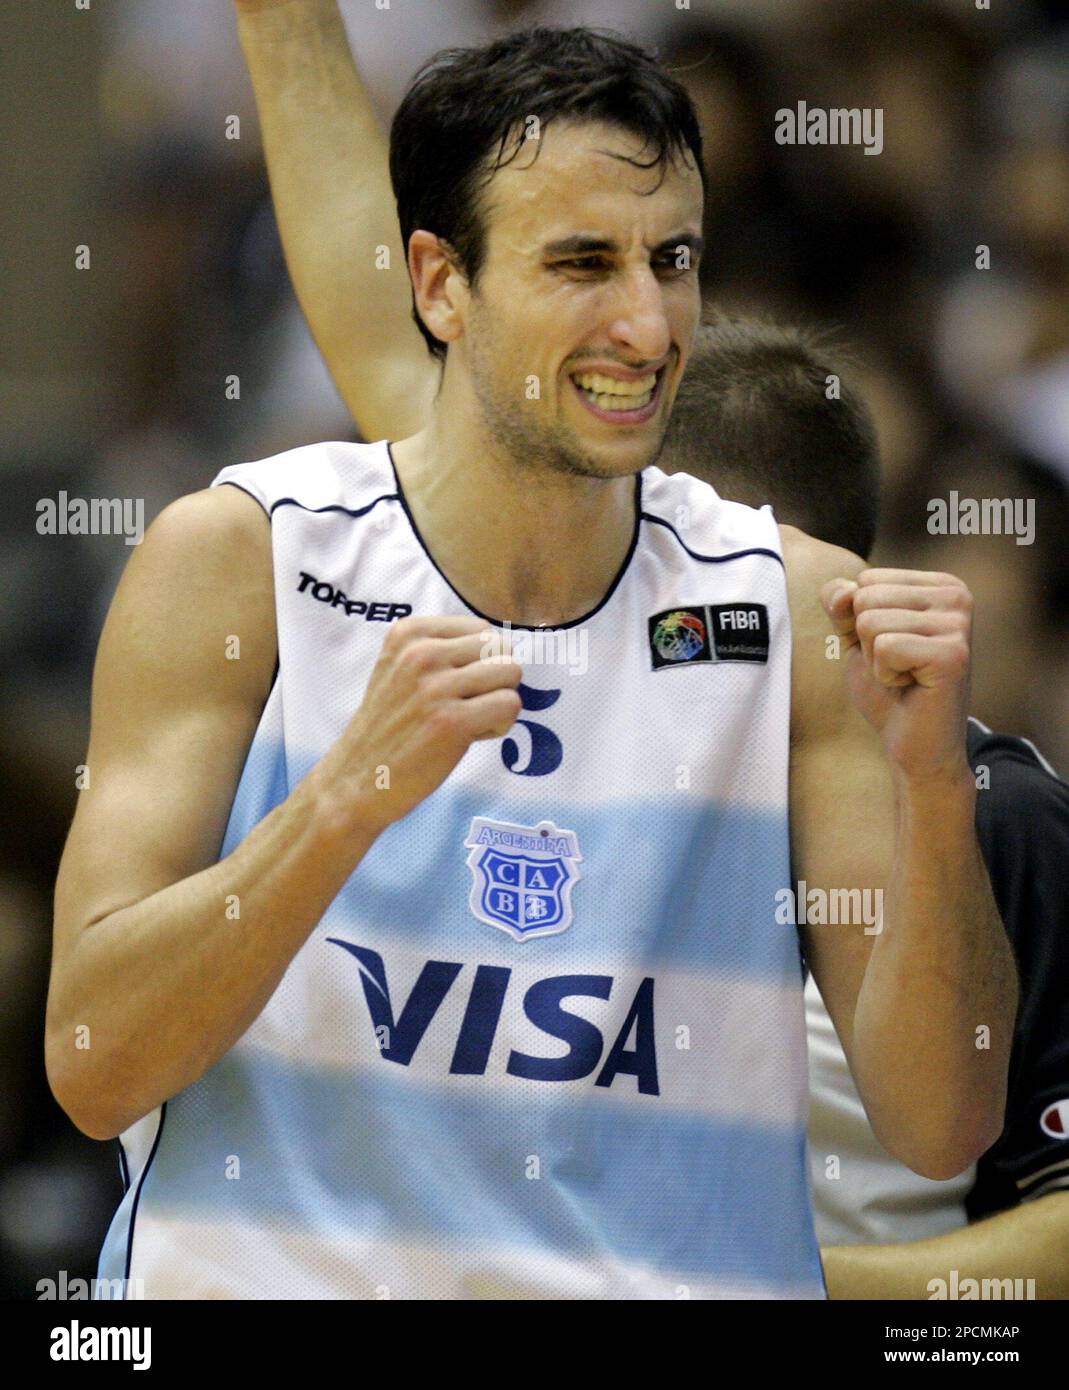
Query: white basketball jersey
{"type": "Point", "coordinates": [548, 1040]}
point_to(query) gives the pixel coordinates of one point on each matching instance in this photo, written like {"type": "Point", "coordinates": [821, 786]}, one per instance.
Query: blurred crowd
{"type": "Point", "coordinates": [964, 360]}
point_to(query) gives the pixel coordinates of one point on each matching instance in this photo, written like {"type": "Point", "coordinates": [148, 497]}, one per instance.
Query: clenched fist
{"type": "Point", "coordinates": [907, 636]}
{"type": "Point", "coordinates": [439, 685]}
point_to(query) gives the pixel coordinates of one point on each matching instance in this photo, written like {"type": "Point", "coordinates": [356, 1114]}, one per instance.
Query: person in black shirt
{"type": "Point", "coordinates": [1023, 829]}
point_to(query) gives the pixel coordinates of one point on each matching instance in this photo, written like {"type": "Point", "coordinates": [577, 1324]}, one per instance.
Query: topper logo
{"type": "Point", "coordinates": [542, 1005]}
{"type": "Point", "coordinates": [354, 607]}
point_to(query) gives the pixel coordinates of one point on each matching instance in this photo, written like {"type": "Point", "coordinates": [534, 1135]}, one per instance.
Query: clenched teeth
{"type": "Point", "coordinates": [610, 393]}
{"type": "Point", "coordinates": [613, 386]}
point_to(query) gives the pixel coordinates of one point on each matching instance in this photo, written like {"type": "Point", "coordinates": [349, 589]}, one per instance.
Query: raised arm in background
{"type": "Point", "coordinates": [327, 159]}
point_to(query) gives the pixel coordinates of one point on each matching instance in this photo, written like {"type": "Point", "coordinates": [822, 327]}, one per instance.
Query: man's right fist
{"type": "Point", "coordinates": [439, 685]}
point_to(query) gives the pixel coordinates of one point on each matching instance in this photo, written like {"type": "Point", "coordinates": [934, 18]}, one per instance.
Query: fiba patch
{"type": "Point", "coordinates": [712, 633]}
{"type": "Point", "coordinates": [522, 876]}
{"type": "Point", "coordinates": [740, 631]}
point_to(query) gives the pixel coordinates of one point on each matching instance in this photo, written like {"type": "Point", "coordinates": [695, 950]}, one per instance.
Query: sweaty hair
{"type": "Point", "coordinates": [754, 418]}
{"type": "Point", "coordinates": [468, 111]}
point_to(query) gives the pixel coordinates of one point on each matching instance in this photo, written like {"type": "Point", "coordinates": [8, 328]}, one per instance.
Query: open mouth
{"type": "Point", "coordinates": [610, 397]}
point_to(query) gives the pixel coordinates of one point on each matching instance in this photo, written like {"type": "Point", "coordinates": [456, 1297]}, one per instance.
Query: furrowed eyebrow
{"type": "Point", "coordinates": [589, 246]}
{"type": "Point", "coordinates": [579, 246]}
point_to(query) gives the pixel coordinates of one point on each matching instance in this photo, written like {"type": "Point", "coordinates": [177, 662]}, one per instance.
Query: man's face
{"type": "Point", "coordinates": [580, 322]}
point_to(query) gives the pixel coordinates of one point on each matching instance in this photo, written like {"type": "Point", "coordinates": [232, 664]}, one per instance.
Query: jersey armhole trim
{"type": "Point", "coordinates": [137, 1194]}
{"type": "Point", "coordinates": [713, 559]}
{"type": "Point", "coordinates": [334, 506]}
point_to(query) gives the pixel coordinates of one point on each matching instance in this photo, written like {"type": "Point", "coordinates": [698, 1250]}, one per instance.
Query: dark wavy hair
{"type": "Point", "coordinates": [464, 116]}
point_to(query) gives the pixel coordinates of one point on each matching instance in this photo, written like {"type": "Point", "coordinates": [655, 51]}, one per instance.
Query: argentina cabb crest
{"type": "Point", "coordinates": [522, 876]}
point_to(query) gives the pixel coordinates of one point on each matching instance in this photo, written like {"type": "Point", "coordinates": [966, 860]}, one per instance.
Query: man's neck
{"type": "Point", "coordinates": [532, 547]}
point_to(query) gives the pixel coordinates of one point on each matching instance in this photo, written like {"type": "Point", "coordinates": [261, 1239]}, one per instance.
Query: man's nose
{"type": "Point", "coordinates": [640, 326]}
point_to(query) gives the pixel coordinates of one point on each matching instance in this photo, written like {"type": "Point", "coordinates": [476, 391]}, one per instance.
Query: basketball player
{"type": "Point", "coordinates": [405, 972]}
{"type": "Point", "coordinates": [752, 416]}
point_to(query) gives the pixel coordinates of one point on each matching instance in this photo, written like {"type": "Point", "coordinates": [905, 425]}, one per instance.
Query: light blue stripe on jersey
{"type": "Point", "coordinates": [684, 1194]}
{"type": "Point", "coordinates": [719, 919]}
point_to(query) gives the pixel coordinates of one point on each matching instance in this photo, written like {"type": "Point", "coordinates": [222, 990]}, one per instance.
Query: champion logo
{"type": "Point", "coordinates": [1055, 1119]}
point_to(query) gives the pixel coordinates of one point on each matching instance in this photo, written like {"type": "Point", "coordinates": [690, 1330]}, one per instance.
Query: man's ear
{"type": "Point", "coordinates": [439, 287]}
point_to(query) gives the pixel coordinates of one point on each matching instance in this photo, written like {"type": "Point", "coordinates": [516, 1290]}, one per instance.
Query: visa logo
{"type": "Point", "coordinates": [400, 1034]}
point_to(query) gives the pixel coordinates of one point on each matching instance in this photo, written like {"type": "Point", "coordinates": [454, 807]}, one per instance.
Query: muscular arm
{"type": "Point", "coordinates": [907, 1001]}
{"type": "Point", "coordinates": [327, 159]}
{"type": "Point", "coordinates": [1026, 1242]}
{"type": "Point", "coordinates": [148, 967]}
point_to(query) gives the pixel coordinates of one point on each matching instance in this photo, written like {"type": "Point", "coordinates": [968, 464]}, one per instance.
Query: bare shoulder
{"type": "Point", "coordinates": [201, 578]}
{"type": "Point", "coordinates": [217, 539]}
{"type": "Point", "coordinates": [817, 686]}
{"type": "Point", "coordinates": [810, 564]}
{"type": "Point", "coordinates": [219, 524]}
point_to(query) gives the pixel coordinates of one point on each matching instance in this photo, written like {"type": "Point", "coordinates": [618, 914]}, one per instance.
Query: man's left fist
{"type": "Point", "coordinates": [906, 635]}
